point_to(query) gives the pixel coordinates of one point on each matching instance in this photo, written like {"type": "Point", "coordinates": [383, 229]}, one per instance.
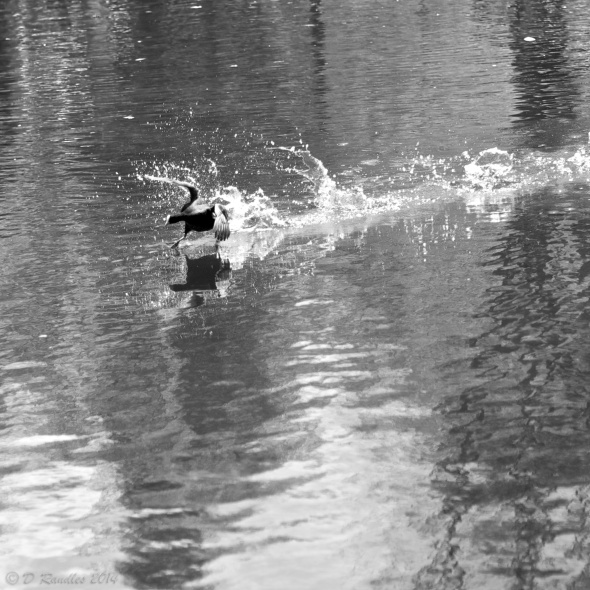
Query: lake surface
{"type": "Point", "coordinates": [383, 379]}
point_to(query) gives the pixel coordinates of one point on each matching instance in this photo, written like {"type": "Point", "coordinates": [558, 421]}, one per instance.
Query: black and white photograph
{"type": "Point", "coordinates": [295, 294]}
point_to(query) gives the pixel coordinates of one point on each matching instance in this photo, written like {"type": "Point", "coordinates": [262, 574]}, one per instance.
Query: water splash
{"type": "Point", "coordinates": [490, 169]}
{"type": "Point", "coordinates": [248, 211]}
{"type": "Point", "coordinates": [494, 169]}
{"type": "Point", "coordinates": [329, 197]}
{"type": "Point", "coordinates": [332, 202]}
{"type": "Point", "coordinates": [254, 211]}
{"type": "Point", "coordinates": [489, 183]}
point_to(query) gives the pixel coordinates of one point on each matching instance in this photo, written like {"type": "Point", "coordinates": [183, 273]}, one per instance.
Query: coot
{"type": "Point", "coordinates": [198, 216]}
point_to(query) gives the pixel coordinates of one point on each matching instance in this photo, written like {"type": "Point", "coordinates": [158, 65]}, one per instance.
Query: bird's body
{"type": "Point", "coordinates": [198, 217]}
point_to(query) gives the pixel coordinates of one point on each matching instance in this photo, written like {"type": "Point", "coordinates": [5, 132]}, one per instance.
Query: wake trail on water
{"type": "Point", "coordinates": [490, 179]}
{"type": "Point", "coordinates": [488, 184]}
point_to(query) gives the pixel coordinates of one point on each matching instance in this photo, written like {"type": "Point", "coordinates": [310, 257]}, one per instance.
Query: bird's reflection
{"type": "Point", "coordinates": [207, 276]}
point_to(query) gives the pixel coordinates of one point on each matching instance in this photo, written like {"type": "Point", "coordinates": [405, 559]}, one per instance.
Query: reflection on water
{"type": "Point", "coordinates": [380, 380]}
{"type": "Point", "coordinates": [544, 76]}
{"type": "Point", "coordinates": [515, 475]}
{"type": "Point", "coordinates": [205, 275]}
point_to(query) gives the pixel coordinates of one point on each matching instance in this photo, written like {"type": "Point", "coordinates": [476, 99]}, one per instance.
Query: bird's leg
{"type": "Point", "coordinates": [178, 242]}
{"type": "Point", "coordinates": [186, 232]}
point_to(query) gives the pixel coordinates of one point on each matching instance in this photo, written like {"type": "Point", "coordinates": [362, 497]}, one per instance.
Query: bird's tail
{"type": "Point", "coordinates": [173, 219]}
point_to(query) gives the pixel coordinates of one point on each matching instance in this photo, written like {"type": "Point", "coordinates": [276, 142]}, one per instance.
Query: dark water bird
{"type": "Point", "coordinates": [197, 216]}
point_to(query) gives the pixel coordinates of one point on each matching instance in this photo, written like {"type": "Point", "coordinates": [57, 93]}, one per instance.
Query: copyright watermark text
{"type": "Point", "coordinates": [71, 580]}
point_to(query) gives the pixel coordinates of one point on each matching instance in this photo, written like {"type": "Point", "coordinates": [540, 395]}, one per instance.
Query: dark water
{"type": "Point", "coordinates": [382, 382]}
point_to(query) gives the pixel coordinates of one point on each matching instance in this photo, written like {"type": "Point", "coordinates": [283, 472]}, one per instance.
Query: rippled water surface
{"type": "Point", "coordinates": [382, 378]}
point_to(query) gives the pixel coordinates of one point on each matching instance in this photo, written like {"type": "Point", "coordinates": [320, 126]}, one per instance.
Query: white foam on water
{"type": "Point", "coordinates": [490, 180]}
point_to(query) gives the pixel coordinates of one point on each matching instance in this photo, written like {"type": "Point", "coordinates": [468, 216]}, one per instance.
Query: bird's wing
{"type": "Point", "coordinates": [193, 191]}
{"type": "Point", "coordinates": [221, 224]}
{"type": "Point", "coordinates": [224, 211]}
